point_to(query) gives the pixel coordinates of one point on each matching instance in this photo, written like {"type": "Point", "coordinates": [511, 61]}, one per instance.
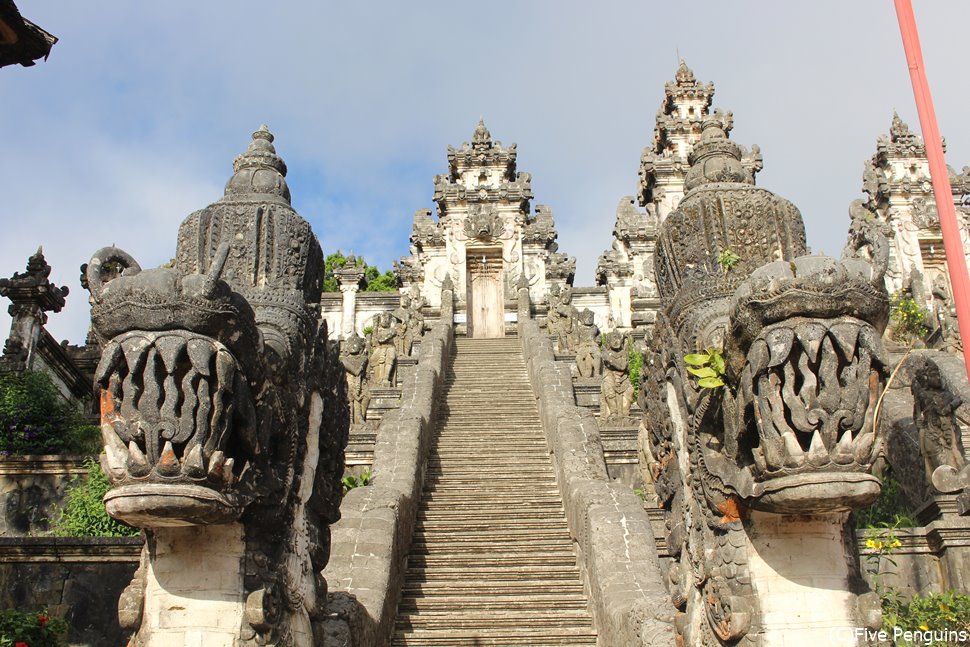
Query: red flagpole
{"type": "Point", "coordinates": [956, 262]}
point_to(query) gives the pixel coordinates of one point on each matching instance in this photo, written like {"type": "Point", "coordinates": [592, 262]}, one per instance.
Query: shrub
{"type": "Point", "coordinates": [31, 629]}
{"type": "Point", "coordinates": [945, 614]}
{"type": "Point", "coordinates": [888, 509]}
{"type": "Point", "coordinates": [35, 419]}
{"type": "Point", "coordinates": [908, 317]}
{"type": "Point", "coordinates": [84, 514]}
{"type": "Point", "coordinates": [635, 365]}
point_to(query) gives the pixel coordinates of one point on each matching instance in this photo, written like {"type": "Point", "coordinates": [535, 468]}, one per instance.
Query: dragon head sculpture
{"type": "Point", "coordinates": [796, 339]}
{"type": "Point", "coordinates": [214, 379]}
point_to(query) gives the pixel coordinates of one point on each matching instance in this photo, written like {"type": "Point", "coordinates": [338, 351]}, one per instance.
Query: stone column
{"type": "Point", "coordinates": [525, 303]}
{"type": "Point", "coordinates": [33, 295]}
{"type": "Point", "coordinates": [447, 300]}
{"type": "Point", "coordinates": [350, 277]}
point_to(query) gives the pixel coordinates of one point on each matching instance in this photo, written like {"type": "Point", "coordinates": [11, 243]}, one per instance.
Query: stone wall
{"type": "Point", "coordinates": [32, 489]}
{"type": "Point", "coordinates": [371, 542]}
{"type": "Point", "coordinates": [618, 554]}
{"type": "Point", "coordinates": [78, 579]}
{"type": "Point", "coordinates": [930, 559]}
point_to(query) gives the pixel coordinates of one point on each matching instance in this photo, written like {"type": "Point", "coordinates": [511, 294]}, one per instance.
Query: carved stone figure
{"type": "Point", "coordinates": [402, 322]}
{"type": "Point", "coordinates": [789, 439]}
{"type": "Point", "coordinates": [552, 312]}
{"type": "Point", "coordinates": [589, 361]}
{"type": "Point", "coordinates": [616, 393]}
{"type": "Point", "coordinates": [415, 327]}
{"type": "Point", "coordinates": [939, 434]}
{"type": "Point", "coordinates": [353, 356]}
{"type": "Point", "coordinates": [382, 366]}
{"type": "Point", "coordinates": [566, 316]}
{"type": "Point", "coordinates": [224, 418]}
{"type": "Point", "coordinates": [945, 315]}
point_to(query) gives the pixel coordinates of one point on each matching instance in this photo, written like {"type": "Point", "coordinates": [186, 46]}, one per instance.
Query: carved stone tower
{"type": "Point", "coordinates": [897, 180]}
{"type": "Point", "coordinates": [627, 268]}
{"type": "Point", "coordinates": [484, 238]}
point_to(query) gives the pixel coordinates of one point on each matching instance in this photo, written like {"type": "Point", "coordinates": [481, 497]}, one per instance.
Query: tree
{"type": "Point", "coordinates": [376, 281]}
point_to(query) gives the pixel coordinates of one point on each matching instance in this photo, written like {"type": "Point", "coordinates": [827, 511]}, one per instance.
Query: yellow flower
{"type": "Point", "coordinates": [924, 627]}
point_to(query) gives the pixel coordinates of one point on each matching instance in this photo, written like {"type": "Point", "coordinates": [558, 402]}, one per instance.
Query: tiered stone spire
{"type": "Point", "coordinates": [664, 164]}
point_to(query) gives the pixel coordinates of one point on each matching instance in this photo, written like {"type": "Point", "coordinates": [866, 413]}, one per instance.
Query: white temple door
{"type": "Point", "coordinates": [486, 298]}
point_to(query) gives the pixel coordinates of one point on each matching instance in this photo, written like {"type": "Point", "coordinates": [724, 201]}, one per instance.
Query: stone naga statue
{"type": "Point", "coordinates": [224, 419]}
{"type": "Point", "coordinates": [757, 477]}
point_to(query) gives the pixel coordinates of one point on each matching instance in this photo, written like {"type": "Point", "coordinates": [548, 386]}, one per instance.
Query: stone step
{"type": "Point", "coordinates": [492, 561]}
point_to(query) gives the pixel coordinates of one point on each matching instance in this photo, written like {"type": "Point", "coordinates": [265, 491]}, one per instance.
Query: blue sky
{"type": "Point", "coordinates": [135, 119]}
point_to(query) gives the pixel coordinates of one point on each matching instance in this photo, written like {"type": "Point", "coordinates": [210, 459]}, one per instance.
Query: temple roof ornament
{"type": "Point", "coordinates": [685, 75]}
{"type": "Point", "coordinates": [481, 138]}
{"type": "Point", "coordinates": [259, 170]}
{"type": "Point", "coordinates": [33, 287]}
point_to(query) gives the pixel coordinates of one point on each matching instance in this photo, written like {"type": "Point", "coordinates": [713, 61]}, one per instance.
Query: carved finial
{"type": "Point", "coordinates": [259, 169]}
{"type": "Point", "coordinates": [716, 158]}
{"type": "Point", "coordinates": [899, 128]}
{"type": "Point", "coordinates": [481, 136]}
{"type": "Point", "coordinates": [684, 75]}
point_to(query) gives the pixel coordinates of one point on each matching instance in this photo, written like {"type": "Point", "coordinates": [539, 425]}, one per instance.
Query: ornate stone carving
{"type": "Point", "coordinates": [616, 393]}
{"type": "Point", "coordinates": [945, 316]}
{"type": "Point", "coordinates": [483, 223]}
{"type": "Point", "coordinates": [589, 361]}
{"type": "Point", "coordinates": [353, 356]}
{"type": "Point", "coordinates": [792, 432]}
{"type": "Point", "coordinates": [32, 296]}
{"type": "Point", "coordinates": [214, 380]}
{"type": "Point", "coordinates": [934, 408]}
{"type": "Point", "coordinates": [382, 366]}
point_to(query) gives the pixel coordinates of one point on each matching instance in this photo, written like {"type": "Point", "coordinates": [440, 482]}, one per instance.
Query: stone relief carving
{"type": "Point", "coordinates": [214, 379]}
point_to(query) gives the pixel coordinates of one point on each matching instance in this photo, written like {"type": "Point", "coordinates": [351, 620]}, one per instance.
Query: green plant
{"type": "Point", "coordinates": [31, 629]}
{"type": "Point", "coordinates": [84, 514]}
{"type": "Point", "coordinates": [727, 259]}
{"type": "Point", "coordinates": [352, 481]}
{"type": "Point", "coordinates": [35, 419]}
{"type": "Point", "coordinates": [888, 508]}
{"type": "Point", "coordinates": [708, 366]}
{"type": "Point", "coordinates": [634, 364]}
{"type": "Point", "coordinates": [908, 317]}
{"type": "Point", "coordinates": [946, 615]}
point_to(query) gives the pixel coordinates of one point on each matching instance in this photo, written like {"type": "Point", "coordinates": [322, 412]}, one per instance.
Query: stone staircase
{"type": "Point", "coordinates": [491, 560]}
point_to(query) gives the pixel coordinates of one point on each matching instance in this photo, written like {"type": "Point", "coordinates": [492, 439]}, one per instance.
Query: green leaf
{"type": "Point", "coordinates": [717, 363]}
{"type": "Point", "coordinates": [706, 371]}
{"type": "Point", "coordinates": [710, 382]}
{"type": "Point", "coordinates": [697, 359]}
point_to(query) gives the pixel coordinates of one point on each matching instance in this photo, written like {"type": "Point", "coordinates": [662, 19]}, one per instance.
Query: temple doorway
{"type": "Point", "coordinates": [486, 297]}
